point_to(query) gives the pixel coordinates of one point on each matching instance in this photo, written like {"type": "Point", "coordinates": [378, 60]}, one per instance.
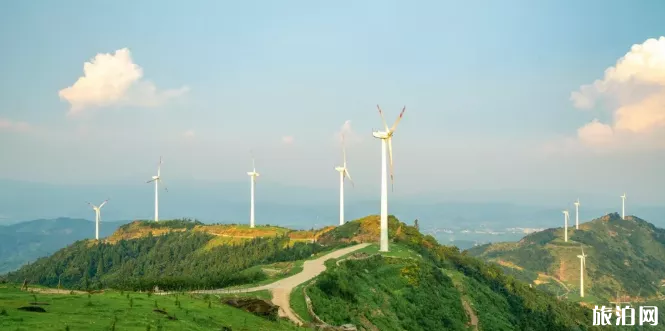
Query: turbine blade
{"type": "Point", "coordinates": [347, 174]}
{"type": "Point", "coordinates": [343, 151]}
{"type": "Point", "coordinates": [150, 181]}
{"type": "Point", "coordinates": [103, 203]}
{"type": "Point", "coordinates": [399, 118]}
{"type": "Point", "coordinates": [383, 118]}
{"type": "Point", "coordinates": [159, 166]}
{"type": "Point", "coordinates": [390, 153]}
{"type": "Point", "coordinates": [253, 161]}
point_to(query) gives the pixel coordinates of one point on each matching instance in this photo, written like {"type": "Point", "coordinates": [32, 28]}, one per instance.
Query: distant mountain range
{"type": "Point", "coordinates": [295, 207]}
{"type": "Point", "coordinates": [27, 241]}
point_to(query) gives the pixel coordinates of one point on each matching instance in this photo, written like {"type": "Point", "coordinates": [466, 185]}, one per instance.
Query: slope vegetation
{"type": "Point", "coordinates": [626, 256]}
{"type": "Point", "coordinates": [180, 258]}
{"type": "Point", "coordinates": [442, 290]}
{"type": "Point", "coordinates": [419, 285]}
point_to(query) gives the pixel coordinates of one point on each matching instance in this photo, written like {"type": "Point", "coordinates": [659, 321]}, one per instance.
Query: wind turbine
{"type": "Point", "coordinates": [386, 139]}
{"type": "Point", "coordinates": [252, 175]}
{"type": "Point", "coordinates": [565, 225]}
{"type": "Point", "coordinates": [157, 179]}
{"type": "Point", "coordinates": [98, 216]}
{"type": "Point", "coordinates": [343, 173]}
{"type": "Point", "coordinates": [623, 206]}
{"type": "Point", "coordinates": [582, 266]}
{"type": "Point", "coordinates": [577, 214]}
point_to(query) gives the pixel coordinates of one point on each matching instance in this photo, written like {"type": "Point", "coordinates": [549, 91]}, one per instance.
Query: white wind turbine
{"type": "Point", "coordinates": [343, 173]}
{"type": "Point", "coordinates": [577, 214]}
{"type": "Point", "coordinates": [582, 266]}
{"type": "Point", "coordinates": [386, 138]}
{"type": "Point", "coordinates": [252, 175]}
{"type": "Point", "coordinates": [623, 206]}
{"type": "Point", "coordinates": [157, 179]}
{"type": "Point", "coordinates": [98, 216]}
{"type": "Point", "coordinates": [565, 225]}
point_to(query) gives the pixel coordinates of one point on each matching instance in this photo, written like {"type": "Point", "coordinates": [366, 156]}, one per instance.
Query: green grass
{"type": "Point", "coordinates": [298, 304]}
{"type": "Point", "coordinates": [395, 250]}
{"type": "Point", "coordinates": [99, 311]}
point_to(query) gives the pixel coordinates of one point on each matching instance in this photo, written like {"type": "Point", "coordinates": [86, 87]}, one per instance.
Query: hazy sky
{"type": "Point", "coordinates": [499, 94]}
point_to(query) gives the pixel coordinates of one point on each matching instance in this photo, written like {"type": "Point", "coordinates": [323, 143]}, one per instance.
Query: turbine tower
{"type": "Point", "coordinates": [157, 179]}
{"type": "Point", "coordinates": [98, 216]}
{"type": "Point", "coordinates": [582, 266]}
{"type": "Point", "coordinates": [577, 214]}
{"type": "Point", "coordinates": [252, 182]}
{"type": "Point", "coordinates": [565, 225]}
{"type": "Point", "coordinates": [623, 206]}
{"type": "Point", "coordinates": [343, 173]}
{"type": "Point", "coordinates": [386, 139]}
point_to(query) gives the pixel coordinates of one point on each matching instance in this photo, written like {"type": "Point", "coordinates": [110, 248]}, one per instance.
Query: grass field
{"type": "Point", "coordinates": [115, 310]}
{"type": "Point", "coordinates": [298, 304]}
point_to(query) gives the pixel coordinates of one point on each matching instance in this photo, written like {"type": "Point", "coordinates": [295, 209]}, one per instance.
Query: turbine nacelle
{"type": "Point", "coordinates": [340, 169]}
{"type": "Point", "coordinates": [253, 174]}
{"type": "Point", "coordinates": [382, 134]}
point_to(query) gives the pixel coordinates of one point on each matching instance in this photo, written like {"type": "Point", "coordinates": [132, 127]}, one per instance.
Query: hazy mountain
{"type": "Point", "coordinates": [297, 207]}
{"type": "Point", "coordinates": [27, 241]}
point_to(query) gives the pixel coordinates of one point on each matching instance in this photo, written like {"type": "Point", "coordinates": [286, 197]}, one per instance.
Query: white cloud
{"type": "Point", "coordinates": [14, 126]}
{"type": "Point", "coordinates": [114, 79]}
{"type": "Point", "coordinates": [634, 91]}
{"type": "Point", "coordinates": [350, 136]}
{"type": "Point", "coordinates": [288, 140]}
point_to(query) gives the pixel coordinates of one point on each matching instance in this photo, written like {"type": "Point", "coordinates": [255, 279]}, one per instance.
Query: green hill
{"type": "Point", "coordinates": [419, 285]}
{"type": "Point", "coordinates": [443, 289]}
{"type": "Point", "coordinates": [181, 258]}
{"type": "Point", "coordinates": [625, 256]}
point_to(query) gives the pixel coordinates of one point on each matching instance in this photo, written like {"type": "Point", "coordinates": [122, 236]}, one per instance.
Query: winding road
{"type": "Point", "coordinates": [281, 289]}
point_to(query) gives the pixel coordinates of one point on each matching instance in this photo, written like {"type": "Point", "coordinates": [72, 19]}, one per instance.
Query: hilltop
{"type": "Point", "coordinates": [625, 256]}
{"type": "Point", "coordinates": [225, 233]}
{"type": "Point", "coordinates": [419, 285]}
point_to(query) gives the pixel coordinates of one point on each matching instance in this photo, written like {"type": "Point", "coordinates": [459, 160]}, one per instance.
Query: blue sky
{"type": "Point", "coordinates": [487, 88]}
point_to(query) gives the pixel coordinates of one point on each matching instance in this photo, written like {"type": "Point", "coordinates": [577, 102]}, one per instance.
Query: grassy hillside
{"type": "Point", "coordinates": [428, 286]}
{"type": "Point", "coordinates": [419, 285]}
{"type": "Point", "coordinates": [626, 256]}
{"type": "Point", "coordinates": [181, 257]}
{"type": "Point", "coordinates": [131, 311]}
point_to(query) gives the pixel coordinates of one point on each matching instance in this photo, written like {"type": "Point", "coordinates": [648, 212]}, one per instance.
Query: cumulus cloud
{"type": "Point", "coordinates": [114, 79]}
{"type": "Point", "coordinates": [634, 91]}
{"type": "Point", "coordinates": [349, 134]}
{"type": "Point", "coordinates": [13, 126]}
{"type": "Point", "coordinates": [288, 140]}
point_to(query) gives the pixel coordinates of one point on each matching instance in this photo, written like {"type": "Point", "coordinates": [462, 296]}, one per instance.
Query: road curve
{"type": "Point", "coordinates": [281, 289]}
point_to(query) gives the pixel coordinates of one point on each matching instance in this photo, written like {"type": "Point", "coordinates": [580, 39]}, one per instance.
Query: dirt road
{"type": "Point", "coordinates": [281, 289]}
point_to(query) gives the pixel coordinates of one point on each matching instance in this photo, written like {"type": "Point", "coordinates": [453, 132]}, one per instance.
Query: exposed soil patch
{"type": "Point", "coordinates": [257, 307]}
